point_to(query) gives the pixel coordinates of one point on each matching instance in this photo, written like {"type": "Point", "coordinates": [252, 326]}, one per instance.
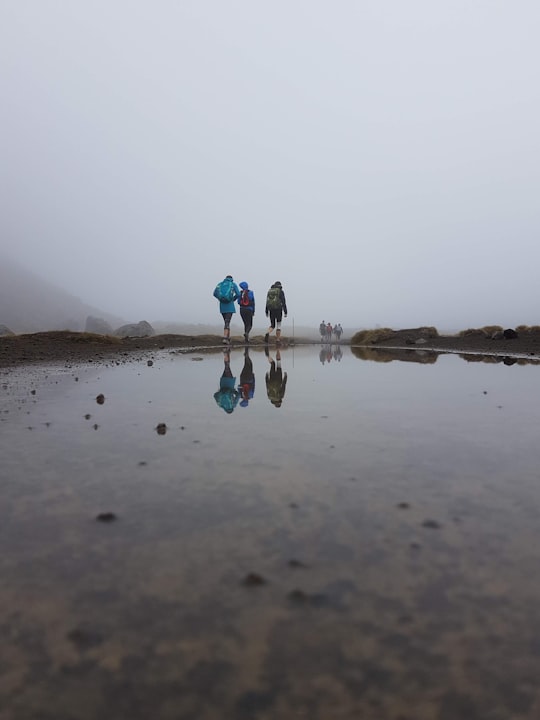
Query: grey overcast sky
{"type": "Point", "coordinates": [379, 158]}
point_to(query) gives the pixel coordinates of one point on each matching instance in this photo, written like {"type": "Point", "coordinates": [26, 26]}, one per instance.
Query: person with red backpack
{"type": "Point", "coordinates": [247, 308]}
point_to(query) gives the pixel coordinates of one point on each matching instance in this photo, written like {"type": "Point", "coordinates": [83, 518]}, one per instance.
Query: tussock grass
{"type": "Point", "coordinates": [76, 337]}
{"type": "Point", "coordinates": [486, 331]}
{"type": "Point", "coordinates": [369, 337]}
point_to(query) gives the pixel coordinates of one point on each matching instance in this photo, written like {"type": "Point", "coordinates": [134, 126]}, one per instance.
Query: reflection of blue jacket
{"type": "Point", "coordinates": [227, 396]}
{"type": "Point", "coordinates": [251, 297]}
{"type": "Point", "coordinates": [228, 307]}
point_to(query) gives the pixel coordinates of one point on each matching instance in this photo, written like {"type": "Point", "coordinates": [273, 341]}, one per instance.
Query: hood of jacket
{"type": "Point", "coordinates": [244, 285]}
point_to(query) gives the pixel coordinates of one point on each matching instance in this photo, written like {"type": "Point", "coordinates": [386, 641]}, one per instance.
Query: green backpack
{"type": "Point", "coordinates": [273, 298]}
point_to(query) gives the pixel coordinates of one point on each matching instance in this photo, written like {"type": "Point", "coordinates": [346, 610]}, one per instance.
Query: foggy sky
{"type": "Point", "coordinates": [380, 159]}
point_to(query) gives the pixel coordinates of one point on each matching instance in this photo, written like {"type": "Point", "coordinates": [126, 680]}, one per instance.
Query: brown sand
{"type": "Point", "coordinates": [72, 347]}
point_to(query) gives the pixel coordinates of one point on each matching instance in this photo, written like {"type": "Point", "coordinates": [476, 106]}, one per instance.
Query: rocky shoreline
{"type": "Point", "coordinates": [71, 347]}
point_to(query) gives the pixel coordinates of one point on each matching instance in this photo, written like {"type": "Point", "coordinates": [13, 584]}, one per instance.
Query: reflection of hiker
{"type": "Point", "coordinates": [338, 353]}
{"type": "Point", "coordinates": [227, 396]}
{"type": "Point", "coordinates": [322, 330]}
{"type": "Point", "coordinates": [247, 381]}
{"type": "Point", "coordinates": [247, 308]}
{"type": "Point", "coordinates": [276, 308]}
{"type": "Point", "coordinates": [227, 292]}
{"type": "Point", "coordinates": [329, 332]}
{"type": "Point", "coordinates": [276, 380]}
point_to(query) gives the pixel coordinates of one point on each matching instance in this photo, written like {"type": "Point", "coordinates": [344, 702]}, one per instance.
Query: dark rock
{"type": "Point", "coordinates": [100, 399]}
{"type": "Point", "coordinates": [140, 329]}
{"type": "Point", "coordinates": [253, 580]}
{"type": "Point", "coordinates": [510, 334]}
{"type": "Point", "coordinates": [161, 428]}
{"type": "Point", "coordinates": [432, 524]}
{"type": "Point", "coordinates": [150, 363]}
{"type": "Point", "coordinates": [106, 517]}
{"type": "Point", "coordinates": [403, 505]}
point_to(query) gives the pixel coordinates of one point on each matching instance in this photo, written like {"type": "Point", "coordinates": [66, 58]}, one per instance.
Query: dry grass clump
{"type": "Point", "coordinates": [486, 331]}
{"type": "Point", "coordinates": [77, 337]}
{"type": "Point", "coordinates": [370, 337]}
{"type": "Point", "coordinates": [428, 331]}
{"type": "Point", "coordinates": [530, 329]}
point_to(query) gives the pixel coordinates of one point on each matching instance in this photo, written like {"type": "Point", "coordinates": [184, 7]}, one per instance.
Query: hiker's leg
{"type": "Point", "coordinates": [227, 326]}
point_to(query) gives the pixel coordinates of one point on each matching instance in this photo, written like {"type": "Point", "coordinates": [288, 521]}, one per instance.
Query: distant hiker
{"type": "Point", "coordinates": [329, 332]}
{"type": "Point", "coordinates": [322, 330]}
{"type": "Point", "coordinates": [227, 292]}
{"type": "Point", "coordinates": [227, 396]}
{"type": "Point", "coordinates": [276, 380]}
{"type": "Point", "coordinates": [246, 301]}
{"type": "Point", "coordinates": [276, 308]}
{"type": "Point", "coordinates": [247, 381]}
{"type": "Point", "coordinates": [337, 331]}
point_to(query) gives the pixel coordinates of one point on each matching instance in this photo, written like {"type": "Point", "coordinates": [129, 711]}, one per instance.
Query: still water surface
{"type": "Point", "coordinates": [339, 539]}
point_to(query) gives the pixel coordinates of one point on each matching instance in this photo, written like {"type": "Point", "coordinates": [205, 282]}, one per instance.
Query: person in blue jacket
{"type": "Point", "coordinates": [247, 308]}
{"type": "Point", "coordinates": [227, 396]}
{"type": "Point", "coordinates": [227, 292]}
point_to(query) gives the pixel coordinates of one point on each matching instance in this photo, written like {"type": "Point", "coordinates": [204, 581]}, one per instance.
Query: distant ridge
{"type": "Point", "coordinates": [28, 303]}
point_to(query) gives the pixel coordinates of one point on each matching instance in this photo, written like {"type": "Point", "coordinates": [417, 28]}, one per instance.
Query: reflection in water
{"type": "Point", "coordinates": [425, 357]}
{"type": "Point", "coordinates": [383, 565]}
{"type": "Point", "coordinates": [247, 380]}
{"type": "Point", "coordinates": [227, 396]}
{"type": "Point", "coordinates": [276, 379]}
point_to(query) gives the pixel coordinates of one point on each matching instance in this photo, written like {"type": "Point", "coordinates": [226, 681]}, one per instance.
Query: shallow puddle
{"type": "Point", "coordinates": [320, 536]}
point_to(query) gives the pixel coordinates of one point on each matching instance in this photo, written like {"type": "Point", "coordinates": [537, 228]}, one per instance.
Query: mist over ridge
{"type": "Point", "coordinates": [380, 160]}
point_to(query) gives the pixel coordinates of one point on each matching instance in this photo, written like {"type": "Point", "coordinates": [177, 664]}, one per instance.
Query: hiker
{"type": "Point", "coordinates": [329, 332]}
{"type": "Point", "coordinates": [227, 292]}
{"type": "Point", "coordinates": [246, 301]}
{"type": "Point", "coordinates": [276, 380]}
{"type": "Point", "coordinates": [227, 396]}
{"type": "Point", "coordinates": [322, 330]}
{"type": "Point", "coordinates": [276, 308]}
{"type": "Point", "coordinates": [247, 381]}
{"type": "Point", "coordinates": [337, 331]}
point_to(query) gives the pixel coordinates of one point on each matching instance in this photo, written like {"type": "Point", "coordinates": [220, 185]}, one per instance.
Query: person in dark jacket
{"type": "Point", "coordinates": [246, 301]}
{"type": "Point", "coordinates": [276, 309]}
{"type": "Point", "coordinates": [276, 379]}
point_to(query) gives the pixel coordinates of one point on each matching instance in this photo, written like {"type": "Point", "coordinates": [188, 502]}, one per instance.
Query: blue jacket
{"type": "Point", "coordinates": [251, 297]}
{"type": "Point", "coordinates": [228, 307]}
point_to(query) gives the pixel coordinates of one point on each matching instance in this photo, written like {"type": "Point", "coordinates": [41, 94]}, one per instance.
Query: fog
{"type": "Point", "coordinates": [380, 159]}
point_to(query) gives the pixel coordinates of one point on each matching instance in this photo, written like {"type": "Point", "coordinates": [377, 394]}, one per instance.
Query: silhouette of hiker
{"type": "Point", "coordinates": [227, 396]}
{"type": "Point", "coordinates": [276, 379]}
{"type": "Point", "coordinates": [247, 381]}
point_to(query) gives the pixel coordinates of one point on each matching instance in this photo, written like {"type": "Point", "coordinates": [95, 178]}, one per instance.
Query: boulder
{"type": "Point", "coordinates": [140, 329]}
{"type": "Point", "coordinates": [97, 325]}
{"type": "Point", "coordinates": [510, 334]}
{"type": "Point", "coordinates": [4, 330]}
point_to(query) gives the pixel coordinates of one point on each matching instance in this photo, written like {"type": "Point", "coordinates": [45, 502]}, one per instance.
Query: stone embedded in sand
{"type": "Point", "coordinates": [106, 517]}
{"type": "Point", "coordinates": [100, 399]}
{"type": "Point", "coordinates": [403, 505]}
{"type": "Point", "coordinates": [161, 428]}
{"type": "Point", "coordinates": [253, 580]}
{"type": "Point", "coordinates": [150, 363]}
{"type": "Point", "coordinates": [432, 524]}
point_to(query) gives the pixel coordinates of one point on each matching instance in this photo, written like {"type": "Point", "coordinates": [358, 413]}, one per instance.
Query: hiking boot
{"type": "Point", "coordinates": [266, 337]}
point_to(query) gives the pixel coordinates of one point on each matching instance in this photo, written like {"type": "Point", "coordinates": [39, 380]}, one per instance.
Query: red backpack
{"type": "Point", "coordinates": [244, 298]}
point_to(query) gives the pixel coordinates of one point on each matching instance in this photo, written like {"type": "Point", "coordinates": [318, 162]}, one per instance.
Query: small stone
{"type": "Point", "coordinates": [87, 416]}
{"type": "Point", "coordinates": [432, 524]}
{"type": "Point", "coordinates": [253, 580]}
{"type": "Point", "coordinates": [161, 428]}
{"type": "Point", "coordinates": [106, 517]}
{"type": "Point", "coordinates": [403, 505]}
{"type": "Point", "coordinates": [150, 363]}
{"type": "Point", "coordinates": [296, 564]}
{"type": "Point", "coordinates": [100, 399]}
